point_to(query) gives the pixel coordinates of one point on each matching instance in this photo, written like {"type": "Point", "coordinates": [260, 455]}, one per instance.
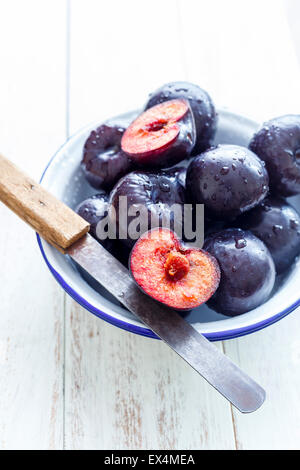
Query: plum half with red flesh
{"type": "Point", "coordinates": [161, 136]}
{"type": "Point", "coordinates": [177, 276]}
{"type": "Point", "coordinates": [202, 107]}
{"type": "Point", "coordinates": [103, 161]}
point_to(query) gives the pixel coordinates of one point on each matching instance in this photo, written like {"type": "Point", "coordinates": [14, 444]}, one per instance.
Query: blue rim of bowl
{"type": "Point", "coordinates": [214, 336]}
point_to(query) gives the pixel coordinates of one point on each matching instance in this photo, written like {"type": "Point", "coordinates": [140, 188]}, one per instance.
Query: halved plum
{"type": "Point", "coordinates": [161, 136]}
{"type": "Point", "coordinates": [202, 107]}
{"type": "Point", "coordinates": [177, 276]}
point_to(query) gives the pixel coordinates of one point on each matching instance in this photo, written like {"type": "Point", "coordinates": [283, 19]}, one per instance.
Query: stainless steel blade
{"type": "Point", "coordinates": [243, 392]}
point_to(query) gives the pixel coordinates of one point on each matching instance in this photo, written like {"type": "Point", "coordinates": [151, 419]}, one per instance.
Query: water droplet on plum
{"type": "Point", "coordinates": [224, 170]}
{"type": "Point", "coordinates": [164, 186]}
{"type": "Point", "coordinates": [277, 228]}
{"type": "Point", "coordinates": [266, 207]}
{"type": "Point", "coordinates": [240, 243]}
{"type": "Point", "coordinates": [294, 224]}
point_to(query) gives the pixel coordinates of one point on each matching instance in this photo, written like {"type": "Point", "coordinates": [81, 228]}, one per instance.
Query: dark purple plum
{"type": "Point", "coordinates": [161, 136]}
{"type": "Point", "coordinates": [228, 180]}
{"type": "Point", "coordinates": [247, 271]}
{"type": "Point", "coordinates": [278, 144]}
{"type": "Point", "coordinates": [277, 224]}
{"type": "Point", "coordinates": [93, 210]}
{"type": "Point", "coordinates": [156, 192]}
{"type": "Point", "coordinates": [202, 106]}
{"type": "Point", "coordinates": [103, 161]}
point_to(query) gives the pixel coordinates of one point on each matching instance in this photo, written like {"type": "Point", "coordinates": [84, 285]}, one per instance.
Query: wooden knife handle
{"type": "Point", "coordinates": [48, 216]}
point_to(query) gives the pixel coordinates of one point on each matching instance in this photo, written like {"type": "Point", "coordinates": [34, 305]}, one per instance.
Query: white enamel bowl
{"type": "Point", "coordinates": [64, 179]}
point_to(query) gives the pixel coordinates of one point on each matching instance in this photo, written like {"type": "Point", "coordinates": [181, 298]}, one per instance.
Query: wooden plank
{"type": "Point", "coordinates": [272, 357]}
{"type": "Point", "coordinates": [32, 126]}
{"type": "Point", "coordinates": [250, 65]}
{"type": "Point", "coordinates": [125, 391]}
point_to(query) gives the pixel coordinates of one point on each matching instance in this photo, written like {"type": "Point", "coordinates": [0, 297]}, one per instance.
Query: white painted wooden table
{"type": "Point", "coordinates": [67, 379]}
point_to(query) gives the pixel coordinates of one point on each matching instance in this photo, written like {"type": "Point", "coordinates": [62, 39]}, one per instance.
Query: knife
{"type": "Point", "coordinates": [68, 232]}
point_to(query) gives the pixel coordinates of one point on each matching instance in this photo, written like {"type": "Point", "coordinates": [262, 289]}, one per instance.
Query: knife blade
{"type": "Point", "coordinates": [218, 370]}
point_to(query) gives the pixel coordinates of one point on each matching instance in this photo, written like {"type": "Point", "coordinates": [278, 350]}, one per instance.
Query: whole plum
{"type": "Point", "coordinates": [247, 271]}
{"type": "Point", "coordinates": [228, 180]}
{"type": "Point", "coordinates": [278, 144]}
{"type": "Point", "coordinates": [277, 224]}
{"type": "Point", "coordinates": [103, 162]}
{"type": "Point", "coordinates": [202, 106]}
{"type": "Point", "coordinates": [93, 210]}
{"type": "Point", "coordinates": [155, 192]}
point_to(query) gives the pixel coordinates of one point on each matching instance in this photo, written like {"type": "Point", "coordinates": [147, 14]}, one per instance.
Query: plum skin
{"type": "Point", "coordinates": [93, 210]}
{"type": "Point", "coordinates": [228, 180]}
{"type": "Point", "coordinates": [182, 175]}
{"type": "Point", "coordinates": [202, 107]}
{"type": "Point", "coordinates": [148, 189]}
{"type": "Point", "coordinates": [277, 224]}
{"type": "Point", "coordinates": [278, 144]}
{"type": "Point", "coordinates": [247, 271]}
{"type": "Point", "coordinates": [103, 161]}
